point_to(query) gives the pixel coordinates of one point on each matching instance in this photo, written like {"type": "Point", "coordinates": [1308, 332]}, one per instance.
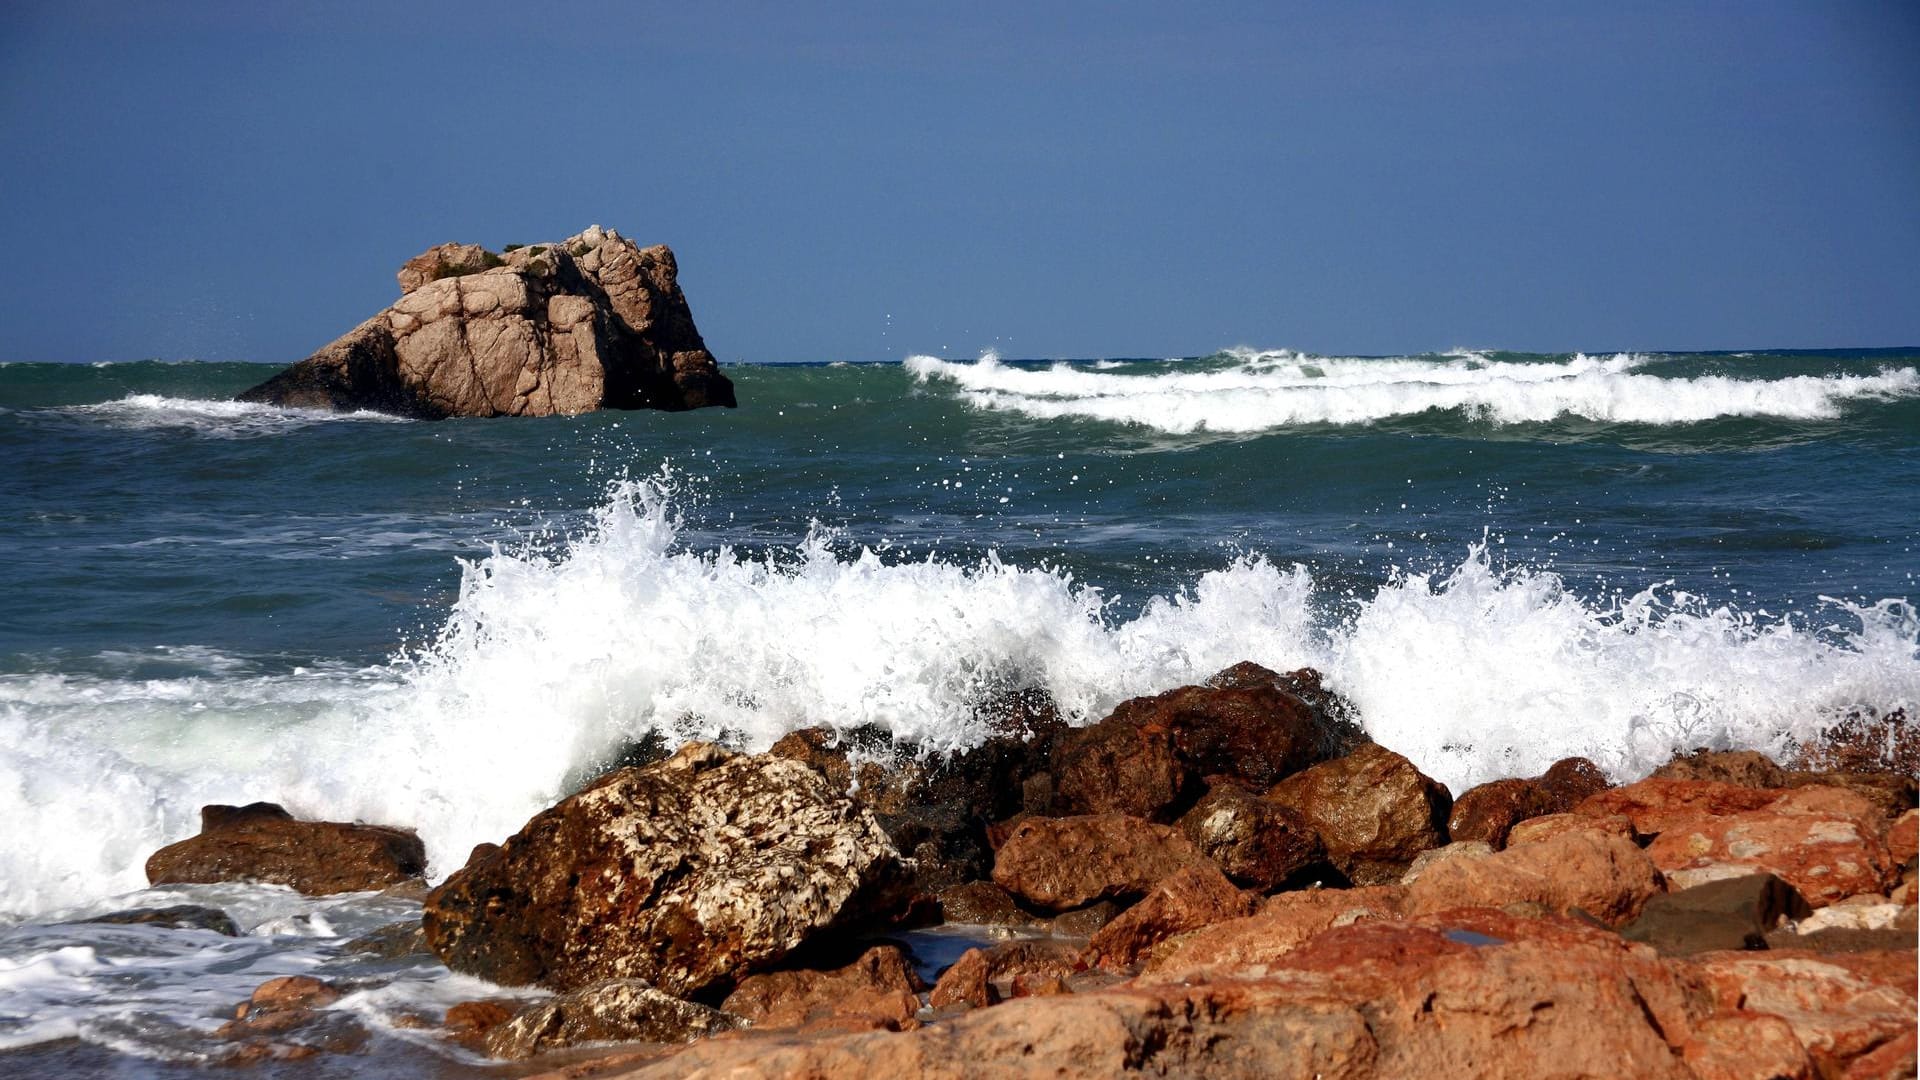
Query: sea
{"type": "Point", "coordinates": [1501, 559]}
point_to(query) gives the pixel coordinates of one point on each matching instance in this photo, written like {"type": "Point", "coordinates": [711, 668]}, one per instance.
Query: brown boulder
{"type": "Point", "coordinates": [1152, 756]}
{"type": "Point", "coordinates": [985, 904]}
{"type": "Point", "coordinates": [1732, 913]}
{"type": "Point", "coordinates": [1826, 842]}
{"type": "Point", "coordinates": [1489, 812]}
{"type": "Point", "coordinates": [1903, 838]}
{"type": "Point", "coordinates": [874, 991]}
{"type": "Point", "coordinates": [1246, 947]}
{"type": "Point", "coordinates": [1257, 842]}
{"type": "Point", "coordinates": [618, 1010]}
{"type": "Point", "coordinates": [1602, 874]}
{"type": "Point", "coordinates": [1534, 830]}
{"type": "Point", "coordinates": [1742, 768]}
{"type": "Point", "coordinates": [1373, 809]}
{"type": "Point", "coordinates": [1063, 863]}
{"type": "Point", "coordinates": [593, 322]}
{"type": "Point", "coordinates": [966, 983]}
{"type": "Point", "coordinates": [262, 842]}
{"type": "Point", "coordinates": [688, 873]}
{"type": "Point", "coordinates": [1195, 897]}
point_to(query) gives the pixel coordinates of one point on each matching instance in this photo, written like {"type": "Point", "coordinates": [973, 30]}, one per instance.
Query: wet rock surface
{"type": "Point", "coordinates": [618, 1010]}
{"type": "Point", "coordinates": [1373, 809]}
{"type": "Point", "coordinates": [174, 917]}
{"type": "Point", "coordinates": [1257, 842]}
{"type": "Point", "coordinates": [262, 842]}
{"type": "Point", "coordinates": [592, 322]}
{"type": "Point", "coordinates": [689, 874]}
{"type": "Point", "coordinates": [1489, 812]}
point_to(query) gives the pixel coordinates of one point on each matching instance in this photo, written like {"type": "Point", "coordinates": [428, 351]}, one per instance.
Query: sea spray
{"type": "Point", "coordinates": [553, 657]}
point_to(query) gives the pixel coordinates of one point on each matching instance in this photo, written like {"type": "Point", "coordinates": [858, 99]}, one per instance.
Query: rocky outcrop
{"type": "Point", "coordinates": [1827, 842]}
{"type": "Point", "coordinates": [1374, 810]}
{"type": "Point", "coordinates": [593, 322]}
{"type": "Point", "coordinates": [262, 842]}
{"type": "Point", "coordinates": [1062, 863]}
{"type": "Point", "coordinates": [689, 873]}
{"type": "Point", "coordinates": [1490, 811]}
{"type": "Point", "coordinates": [1153, 757]}
{"type": "Point", "coordinates": [619, 1010]}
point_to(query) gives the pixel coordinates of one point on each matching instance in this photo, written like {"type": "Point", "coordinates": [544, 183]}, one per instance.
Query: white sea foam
{"type": "Point", "coordinates": [549, 661]}
{"type": "Point", "coordinates": [1263, 391]}
{"type": "Point", "coordinates": [212, 417]}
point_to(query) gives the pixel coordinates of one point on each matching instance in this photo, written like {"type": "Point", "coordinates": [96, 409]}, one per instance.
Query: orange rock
{"type": "Point", "coordinates": [1188, 900]}
{"type": "Point", "coordinates": [1903, 839]}
{"type": "Point", "coordinates": [292, 992]}
{"type": "Point", "coordinates": [1062, 863]}
{"type": "Point", "coordinates": [1374, 810]}
{"type": "Point", "coordinates": [876, 989]}
{"type": "Point", "coordinates": [1824, 841]}
{"type": "Point", "coordinates": [1657, 804]}
{"type": "Point", "coordinates": [1245, 946]}
{"type": "Point", "coordinates": [965, 983]}
{"type": "Point", "coordinates": [1534, 830]}
{"type": "Point", "coordinates": [1746, 1046]}
{"type": "Point", "coordinates": [1840, 1006]}
{"type": "Point", "coordinates": [1599, 873]}
{"type": "Point", "coordinates": [476, 1017]}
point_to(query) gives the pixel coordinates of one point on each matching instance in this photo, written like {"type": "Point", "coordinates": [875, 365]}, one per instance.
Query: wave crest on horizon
{"type": "Point", "coordinates": [1258, 391]}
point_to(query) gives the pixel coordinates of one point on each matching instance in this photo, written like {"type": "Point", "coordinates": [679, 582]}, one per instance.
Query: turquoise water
{"type": "Point", "coordinates": [1500, 558]}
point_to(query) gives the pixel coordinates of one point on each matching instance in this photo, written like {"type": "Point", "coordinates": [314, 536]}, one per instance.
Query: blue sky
{"type": "Point", "coordinates": [866, 181]}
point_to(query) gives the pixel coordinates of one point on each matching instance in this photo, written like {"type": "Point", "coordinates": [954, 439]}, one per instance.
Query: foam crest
{"type": "Point", "coordinates": [1262, 391]}
{"type": "Point", "coordinates": [555, 656]}
{"type": "Point", "coordinates": [211, 417]}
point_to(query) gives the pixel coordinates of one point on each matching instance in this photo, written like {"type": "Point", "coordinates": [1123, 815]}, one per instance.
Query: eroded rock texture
{"type": "Point", "coordinates": [688, 873]}
{"type": "Point", "coordinates": [592, 322]}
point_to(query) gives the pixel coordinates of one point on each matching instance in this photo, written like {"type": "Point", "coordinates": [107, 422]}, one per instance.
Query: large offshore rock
{"type": "Point", "coordinates": [589, 323]}
{"type": "Point", "coordinates": [262, 842]}
{"type": "Point", "coordinates": [687, 873]}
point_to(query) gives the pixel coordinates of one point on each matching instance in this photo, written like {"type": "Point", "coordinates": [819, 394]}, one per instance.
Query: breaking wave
{"type": "Point", "coordinates": [1264, 391]}
{"type": "Point", "coordinates": [555, 656]}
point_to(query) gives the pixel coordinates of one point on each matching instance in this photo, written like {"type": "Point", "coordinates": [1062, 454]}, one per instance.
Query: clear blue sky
{"type": "Point", "coordinates": [240, 181]}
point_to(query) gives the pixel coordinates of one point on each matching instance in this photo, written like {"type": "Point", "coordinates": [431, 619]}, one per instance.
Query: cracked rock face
{"type": "Point", "coordinates": [688, 873]}
{"type": "Point", "coordinates": [589, 323]}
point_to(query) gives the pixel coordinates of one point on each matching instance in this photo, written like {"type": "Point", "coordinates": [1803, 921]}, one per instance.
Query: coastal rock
{"type": "Point", "coordinates": [262, 842]}
{"type": "Point", "coordinates": [1151, 757]}
{"type": "Point", "coordinates": [986, 904]}
{"type": "Point", "coordinates": [1827, 842]}
{"type": "Point", "coordinates": [1373, 809]}
{"type": "Point", "coordinates": [592, 322]}
{"type": "Point", "coordinates": [1244, 947]}
{"type": "Point", "coordinates": [937, 809]}
{"type": "Point", "coordinates": [1602, 874]}
{"type": "Point", "coordinates": [1257, 842]}
{"type": "Point", "coordinates": [1062, 863]}
{"type": "Point", "coordinates": [1489, 812]}
{"type": "Point", "coordinates": [1732, 913]}
{"type": "Point", "coordinates": [1892, 792]}
{"type": "Point", "coordinates": [1538, 998]}
{"type": "Point", "coordinates": [1459, 849]}
{"type": "Point", "coordinates": [1655, 804]}
{"type": "Point", "coordinates": [1534, 830]}
{"type": "Point", "coordinates": [1903, 838]}
{"type": "Point", "coordinates": [1840, 1007]}
{"type": "Point", "coordinates": [985, 976]}
{"type": "Point", "coordinates": [875, 991]}
{"type": "Point", "coordinates": [618, 1010]}
{"type": "Point", "coordinates": [175, 917]}
{"type": "Point", "coordinates": [468, 1021]}
{"type": "Point", "coordinates": [688, 873]}
{"type": "Point", "coordinates": [1195, 897]}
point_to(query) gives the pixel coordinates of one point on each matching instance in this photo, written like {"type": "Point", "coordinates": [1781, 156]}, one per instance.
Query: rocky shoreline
{"type": "Point", "coordinates": [1225, 879]}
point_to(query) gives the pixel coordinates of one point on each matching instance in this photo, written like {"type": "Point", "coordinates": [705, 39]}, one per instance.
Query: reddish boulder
{"type": "Point", "coordinates": [986, 904]}
{"type": "Point", "coordinates": [1602, 874]}
{"type": "Point", "coordinates": [1903, 838]}
{"type": "Point", "coordinates": [1373, 809]}
{"type": "Point", "coordinates": [966, 983]}
{"type": "Point", "coordinates": [1534, 830]}
{"type": "Point", "coordinates": [1746, 1046]}
{"type": "Point", "coordinates": [1841, 1007]}
{"type": "Point", "coordinates": [1246, 947]}
{"type": "Point", "coordinates": [1062, 863]}
{"type": "Point", "coordinates": [1151, 756]}
{"type": "Point", "coordinates": [1742, 768]}
{"type": "Point", "coordinates": [1195, 897]}
{"type": "Point", "coordinates": [875, 991]}
{"type": "Point", "coordinates": [262, 842]}
{"type": "Point", "coordinates": [1826, 842]}
{"type": "Point", "coordinates": [1655, 805]}
{"type": "Point", "coordinates": [1489, 812]}
{"type": "Point", "coordinates": [1257, 842]}
{"type": "Point", "coordinates": [688, 873]}
{"type": "Point", "coordinates": [467, 1021]}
